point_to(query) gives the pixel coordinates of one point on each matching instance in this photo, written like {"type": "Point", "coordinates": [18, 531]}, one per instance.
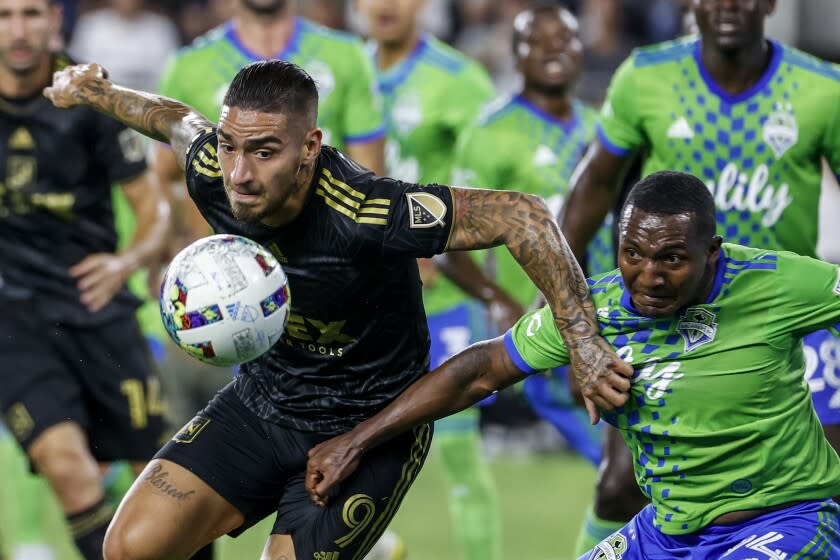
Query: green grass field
{"type": "Point", "coordinates": [542, 500]}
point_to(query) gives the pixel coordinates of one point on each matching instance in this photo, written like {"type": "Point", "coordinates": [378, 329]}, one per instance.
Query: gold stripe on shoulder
{"type": "Point", "coordinates": [343, 186]}
{"type": "Point", "coordinates": [379, 201]}
{"type": "Point", "coordinates": [374, 210]}
{"type": "Point", "coordinates": [339, 195]}
{"type": "Point", "coordinates": [211, 149]}
{"type": "Point", "coordinates": [207, 159]}
{"type": "Point", "coordinates": [372, 221]}
{"type": "Point", "coordinates": [214, 173]}
{"type": "Point", "coordinates": [334, 205]}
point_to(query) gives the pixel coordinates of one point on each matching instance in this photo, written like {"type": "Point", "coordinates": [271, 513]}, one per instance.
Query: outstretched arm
{"type": "Point", "coordinates": [461, 381]}
{"type": "Point", "coordinates": [523, 223]}
{"type": "Point", "coordinates": [152, 115]}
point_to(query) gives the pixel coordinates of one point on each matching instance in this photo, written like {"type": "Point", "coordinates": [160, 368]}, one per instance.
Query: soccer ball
{"type": "Point", "coordinates": [225, 300]}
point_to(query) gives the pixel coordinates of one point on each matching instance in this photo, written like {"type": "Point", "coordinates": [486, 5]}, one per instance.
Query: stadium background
{"type": "Point", "coordinates": [543, 488]}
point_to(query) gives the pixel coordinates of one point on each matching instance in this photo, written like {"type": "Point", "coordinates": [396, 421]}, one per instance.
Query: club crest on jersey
{"type": "Point", "coordinates": [781, 131]}
{"type": "Point", "coordinates": [425, 210]}
{"type": "Point", "coordinates": [697, 327]}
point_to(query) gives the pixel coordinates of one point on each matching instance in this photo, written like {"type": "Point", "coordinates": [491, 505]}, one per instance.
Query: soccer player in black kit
{"type": "Point", "coordinates": [76, 382]}
{"type": "Point", "coordinates": [357, 334]}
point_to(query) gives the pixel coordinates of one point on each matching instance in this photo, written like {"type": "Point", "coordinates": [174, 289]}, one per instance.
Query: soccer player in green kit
{"type": "Point", "coordinates": [753, 119]}
{"type": "Point", "coordinates": [724, 438]}
{"type": "Point", "coordinates": [431, 93]}
{"type": "Point", "coordinates": [532, 142]}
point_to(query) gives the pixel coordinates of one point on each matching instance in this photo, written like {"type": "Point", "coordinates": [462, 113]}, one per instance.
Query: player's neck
{"type": "Point", "coordinates": [738, 71]}
{"type": "Point", "coordinates": [264, 35]}
{"type": "Point", "coordinates": [556, 104]}
{"type": "Point", "coordinates": [389, 54]}
{"type": "Point", "coordinates": [14, 85]}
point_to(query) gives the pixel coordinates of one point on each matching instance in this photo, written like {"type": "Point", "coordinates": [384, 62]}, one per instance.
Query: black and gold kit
{"type": "Point", "coordinates": [57, 169]}
{"type": "Point", "coordinates": [357, 334]}
{"type": "Point", "coordinates": [356, 338]}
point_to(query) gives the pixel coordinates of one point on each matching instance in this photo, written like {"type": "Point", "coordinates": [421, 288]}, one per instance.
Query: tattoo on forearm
{"type": "Point", "coordinates": [523, 223]}
{"type": "Point", "coordinates": [152, 115]}
{"type": "Point", "coordinates": [157, 478]}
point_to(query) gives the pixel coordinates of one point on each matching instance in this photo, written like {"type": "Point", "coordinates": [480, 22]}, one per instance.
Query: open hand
{"type": "Point", "coordinates": [603, 377]}
{"type": "Point", "coordinates": [99, 277]}
{"type": "Point", "coordinates": [70, 83]}
{"type": "Point", "coordinates": [329, 463]}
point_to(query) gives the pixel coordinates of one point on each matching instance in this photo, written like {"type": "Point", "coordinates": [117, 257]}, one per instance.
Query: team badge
{"type": "Point", "coordinates": [189, 432]}
{"type": "Point", "coordinates": [697, 327]}
{"type": "Point", "coordinates": [425, 210]}
{"type": "Point", "coordinates": [781, 131]}
{"type": "Point", "coordinates": [612, 548]}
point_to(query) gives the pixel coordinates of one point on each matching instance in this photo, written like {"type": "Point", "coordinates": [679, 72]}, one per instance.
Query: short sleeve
{"type": "Point", "coordinates": [121, 150]}
{"type": "Point", "coordinates": [619, 129]}
{"type": "Point", "coordinates": [201, 168]}
{"type": "Point", "coordinates": [406, 218]}
{"type": "Point", "coordinates": [534, 344]}
{"type": "Point", "coordinates": [808, 293]}
{"type": "Point", "coordinates": [363, 118]}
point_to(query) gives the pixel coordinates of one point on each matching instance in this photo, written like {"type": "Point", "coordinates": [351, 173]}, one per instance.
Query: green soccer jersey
{"type": "Point", "coordinates": [429, 98]}
{"type": "Point", "coordinates": [515, 145]}
{"type": "Point", "coordinates": [720, 417]}
{"type": "Point", "coordinates": [759, 151]}
{"type": "Point", "coordinates": [349, 107]}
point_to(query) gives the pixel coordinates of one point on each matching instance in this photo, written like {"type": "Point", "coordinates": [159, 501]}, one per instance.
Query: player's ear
{"type": "Point", "coordinates": [714, 248]}
{"type": "Point", "coordinates": [311, 146]}
{"type": "Point", "coordinates": [770, 8]}
{"type": "Point", "coordinates": [56, 15]}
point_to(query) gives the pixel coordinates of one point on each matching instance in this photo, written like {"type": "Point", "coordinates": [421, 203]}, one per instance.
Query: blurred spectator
{"type": "Point", "coordinates": [130, 41]}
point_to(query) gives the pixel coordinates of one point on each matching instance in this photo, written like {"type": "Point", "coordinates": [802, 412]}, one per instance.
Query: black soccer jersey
{"type": "Point", "coordinates": [357, 333]}
{"type": "Point", "coordinates": [57, 168]}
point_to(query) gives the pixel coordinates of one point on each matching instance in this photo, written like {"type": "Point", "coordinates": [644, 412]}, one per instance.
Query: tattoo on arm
{"type": "Point", "coordinates": [486, 218]}
{"type": "Point", "coordinates": [152, 115]}
{"type": "Point", "coordinates": [157, 477]}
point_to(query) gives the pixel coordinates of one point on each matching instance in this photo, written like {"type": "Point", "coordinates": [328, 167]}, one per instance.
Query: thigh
{"type": "Point", "coordinates": [806, 530]}
{"type": "Point", "coordinates": [230, 449]}
{"type": "Point", "coordinates": [169, 512]}
{"type": "Point", "coordinates": [363, 505]}
{"type": "Point", "coordinates": [37, 388]}
{"type": "Point", "coordinates": [119, 380]}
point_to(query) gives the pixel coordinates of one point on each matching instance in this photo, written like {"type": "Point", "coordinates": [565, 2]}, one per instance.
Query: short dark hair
{"type": "Point", "coordinates": [537, 7]}
{"type": "Point", "coordinates": [274, 86]}
{"type": "Point", "coordinates": [669, 193]}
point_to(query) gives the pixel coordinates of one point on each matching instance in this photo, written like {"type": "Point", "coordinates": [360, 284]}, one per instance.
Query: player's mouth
{"type": "Point", "coordinates": [243, 197]}
{"type": "Point", "coordinates": [657, 302]}
{"type": "Point", "coordinates": [727, 24]}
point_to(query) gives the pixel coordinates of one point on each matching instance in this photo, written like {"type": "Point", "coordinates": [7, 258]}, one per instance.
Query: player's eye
{"type": "Point", "coordinates": [673, 259]}
{"type": "Point", "coordinates": [631, 254]}
{"type": "Point", "coordinates": [264, 154]}
{"type": "Point", "coordinates": [227, 148]}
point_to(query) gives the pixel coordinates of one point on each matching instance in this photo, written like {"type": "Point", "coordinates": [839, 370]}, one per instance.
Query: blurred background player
{"type": "Point", "coordinates": [79, 385]}
{"type": "Point", "coordinates": [531, 141]}
{"type": "Point", "coordinates": [431, 92]}
{"type": "Point", "coordinates": [753, 118]}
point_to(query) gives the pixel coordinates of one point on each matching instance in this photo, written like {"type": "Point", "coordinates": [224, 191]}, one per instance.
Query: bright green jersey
{"type": "Point", "coordinates": [349, 106]}
{"type": "Point", "coordinates": [720, 417]}
{"type": "Point", "coordinates": [759, 151]}
{"type": "Point", "coordinates": [430, 97]}
{"type": "Point", "coordinates": [515, 145]}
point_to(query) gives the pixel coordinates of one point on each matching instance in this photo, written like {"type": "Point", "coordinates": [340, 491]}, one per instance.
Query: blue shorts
{"type": "Point", "coordinates": [451, 331]}
{"type": "Point", "coordinates": [805, 530]}
{"type": "Point", "coordinates": [822, 371]}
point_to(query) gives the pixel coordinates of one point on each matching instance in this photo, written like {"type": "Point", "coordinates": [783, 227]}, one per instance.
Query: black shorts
{"type": "Point", "coordinates": [102, 378]}
{"type": "Point", "coordinates": [259, 467]}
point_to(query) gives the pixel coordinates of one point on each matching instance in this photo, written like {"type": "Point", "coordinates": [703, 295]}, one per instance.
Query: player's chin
{"type": "Point", "coordinates": [248, 214]}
